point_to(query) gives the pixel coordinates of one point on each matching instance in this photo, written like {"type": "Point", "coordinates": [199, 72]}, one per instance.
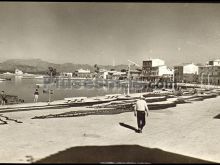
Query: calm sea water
{"type": "Point", "coordinates": [24, 89]}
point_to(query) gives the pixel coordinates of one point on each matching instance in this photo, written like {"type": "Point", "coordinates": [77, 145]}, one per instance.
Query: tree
{"type": "Point", "coordinates": [52, 72]}
{"type": "Point", "coordinates": [96, 68]}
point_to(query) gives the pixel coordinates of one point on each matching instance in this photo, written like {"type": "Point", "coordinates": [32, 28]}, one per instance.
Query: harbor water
{"type": "Point", "coordinates": [24, 88]}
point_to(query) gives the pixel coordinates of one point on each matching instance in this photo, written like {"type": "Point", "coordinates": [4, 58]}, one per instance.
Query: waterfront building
{"type": "Point", "coordinates": [82, 73]}
{"type": "Point", "coordinates": [135, 74]}
{"type": "Point", "coordinates": [18, 72]}
{"type": "Point", "coordinates": [215, 62]}
{"type": "Point", "coordinates": [186, 73]}
{"type": "Point", "coordinates": [66, 74]}
{"type": "Point", "coordinates": [156, 70]}
{"type": "Point", "coordinates": [8, 73]}
{"type": "Point", "coordinates": [210, 74]}
{"type": "Point", "coordinates": [115, 75]}
{"type": "Point", "coordinates": [152, 63]}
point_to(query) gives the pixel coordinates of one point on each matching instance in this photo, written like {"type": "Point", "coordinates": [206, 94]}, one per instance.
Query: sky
{"type": "Point", "coordinates": [109, 33]}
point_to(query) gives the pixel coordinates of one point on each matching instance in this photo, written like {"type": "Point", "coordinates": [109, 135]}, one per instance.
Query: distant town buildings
{"type": "Point", "coordinates": [135, 74]}
{"type": "Point", "coordinates": [18, 72]}
{"type": "Point", "coordinates": [156, 70]}
{"type": "Point", "coordinates": [215, 62]}
{"type": "Point", "coordinates": [111, 74]}
{"type": "Point", "coordinates": [153, 70]}
{"type": "Point", "coordinates": [186, 73]}
{"type": "Point", "coordinates": [210, 74]}
{"type": "Point", "coordinates": [8, 73]}
{"type": "Point", "coordinates": [83, 73]}
{"type": "Point", "coordinates": [66, 74]}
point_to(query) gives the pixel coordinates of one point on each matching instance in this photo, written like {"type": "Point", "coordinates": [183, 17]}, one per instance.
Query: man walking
{"type": "Point", "coordinates": [140, 110]}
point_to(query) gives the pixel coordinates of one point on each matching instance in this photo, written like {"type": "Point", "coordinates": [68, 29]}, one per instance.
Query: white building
{"type": "Point", "coordinates": [83, 71]}
{"type": "Point", "coordinates": [18, 72]}
{"type": "Point", "coordinates": [66, 74]}
{"type": "Point", "coordinates": [190, 69]}
{"type": "Point", "coordinates": [119, 73]}
{"type": "Point", "coordinates": [164, 70]}
{"type": "Point", "coordinates": [8, 73]}
{"type": "Point", "coordinates": [112, 74]}
{"type": "Point", "coordinates": [186, 73]}
{"type": "Point", "coordinates": [102, 70]}
{"type": "Point", "coordinates": [105, 74]}
{"type": "Point", "coordinates": [215, 62]}
{"type": "Point", "coordinates": [154, 69]}
{"type": "Point", "coordinates": [157, 62]}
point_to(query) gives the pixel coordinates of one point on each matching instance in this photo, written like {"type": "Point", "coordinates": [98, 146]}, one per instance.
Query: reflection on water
{"type": "Point", "coordinates": [24, 88]}
{"type": "Point", "coordinates": [18, 79]}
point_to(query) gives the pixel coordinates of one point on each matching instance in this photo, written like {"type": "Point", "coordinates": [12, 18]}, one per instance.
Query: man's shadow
{"type": "Point", "coordinates": [128, 126]}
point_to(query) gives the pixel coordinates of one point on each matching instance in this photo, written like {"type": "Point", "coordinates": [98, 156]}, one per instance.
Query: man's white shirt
{"type": "Point", "coordinates": [141, 105]}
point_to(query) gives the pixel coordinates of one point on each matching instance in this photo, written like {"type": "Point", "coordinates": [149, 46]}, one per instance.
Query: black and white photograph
{"type": "Point", "coordinates": [109, 82]}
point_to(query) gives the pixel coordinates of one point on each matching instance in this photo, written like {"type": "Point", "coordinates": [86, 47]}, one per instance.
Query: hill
{"type": "Point", "coordinates": [40, 66]}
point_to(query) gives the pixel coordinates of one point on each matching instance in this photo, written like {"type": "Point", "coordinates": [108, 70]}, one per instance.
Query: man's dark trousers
{"type": "Point", "coordinates": [141, 119]}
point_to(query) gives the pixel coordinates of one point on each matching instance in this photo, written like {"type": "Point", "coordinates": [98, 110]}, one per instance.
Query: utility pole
{"type": "Point", "coordinates": [173, 78]}
{"type": "Point", "coordinates": [208, 80]}
{"type": "Point", "coordinates": [50, 88]}
{"type": "Point", "coordinates": [129, 68]}
{"type": "Point", "coordinates": [128, 92]}
{"type": "Point", "coordinates": [202, 78]}
{"type": "Point", "coordinates": [52, 72]}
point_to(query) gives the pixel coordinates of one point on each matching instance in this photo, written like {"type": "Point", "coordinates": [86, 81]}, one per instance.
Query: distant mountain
{"type": "Point", "coordinates": [26, 65]}
{"type": "Point", "coordinates": [40, 66]}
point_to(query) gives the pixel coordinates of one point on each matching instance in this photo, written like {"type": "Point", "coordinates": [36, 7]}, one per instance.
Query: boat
{"type": "Point", "coordinates": [195, 99]}
{"type": "Point", "coordinates": [85, 101]}
{"type": "Point", "coordinates": [12, 99]}
{"type": "Point", "coordinates": [217, 91]}
{"type": "Point", "coordinates": [207, 95]}
{"type": "Point", "coordinates": [188, 98]}
{"type": "Point", "coordinates": [27, 76]}
{"type": "Point", "coordinates": [162, 92]}
{"type": "Point", "coordinates": [155, 99]}
{"type": "Point", "coordinates": [39, 77]}
{"type": "Point", "coordinates": [131, 96]}
{"type": "Point", "coordinates": [125, 97]}
{"type": "Point", "coordinates": [162, 104]}
{"type": "Point", "coordinates": [128, 105]}
{"type": "Point", "coordinates": [2, 79]}
{"type": "Point", "coordinates": [74, 99]}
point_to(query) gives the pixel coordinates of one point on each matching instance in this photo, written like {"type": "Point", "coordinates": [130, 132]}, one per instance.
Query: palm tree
{"type": "Point", "coordinates": [96, 68]}
{"type": "Point", "coordinates": [52, 73]}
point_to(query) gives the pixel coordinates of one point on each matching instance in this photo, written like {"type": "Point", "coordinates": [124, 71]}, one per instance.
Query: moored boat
{"type": "Point", "coordinates": [162, 104]}
{"type": "Point", "coordinates": [188, 98]}
{"type": "Point", "coordinates": [85, 101]}
{"type": "Point", "coordinates": [155, 99]}
{"type": "Point", "coordinates": [207, 95]}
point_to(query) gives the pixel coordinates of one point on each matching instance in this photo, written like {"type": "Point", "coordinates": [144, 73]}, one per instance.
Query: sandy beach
{"type": "Point", "coordinates": [185, 130]}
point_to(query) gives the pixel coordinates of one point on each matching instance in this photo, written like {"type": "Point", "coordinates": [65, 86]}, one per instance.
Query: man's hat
{"type": "Point", "coordinates": [141, 97]}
